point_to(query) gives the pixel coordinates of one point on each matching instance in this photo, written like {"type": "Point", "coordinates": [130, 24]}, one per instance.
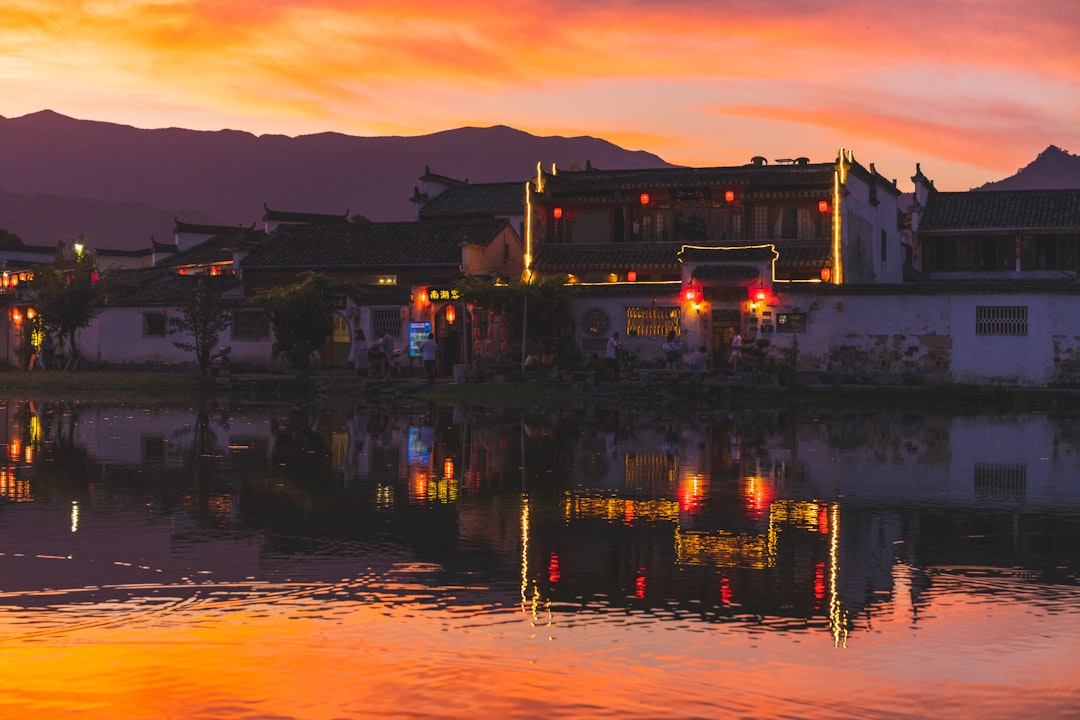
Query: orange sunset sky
{"type": "Point", "coordinates": [972, 89]}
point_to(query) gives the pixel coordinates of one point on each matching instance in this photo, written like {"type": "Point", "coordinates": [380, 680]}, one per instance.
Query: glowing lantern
{"type": "Point", "coordinates": [823, 206]}
{"type": "Point", "coordinates": [557, 213]}
{"type": "Point", "coordinates": [423, 297]}
{"type": "Point", "coordinates": [30, 313]}
{"type": "Point", "coordinates": [826, 273]}
{"type": "Point", "coordinates": [691, 294]}
{"type": "Point", "coordinates": [631, 276]}
{"type": "Point", "coordinates": [729, 196]}
{"type": "Point", "coordinates": [644, 198]}
{"type": "Point", "coordinates": [451, 314]}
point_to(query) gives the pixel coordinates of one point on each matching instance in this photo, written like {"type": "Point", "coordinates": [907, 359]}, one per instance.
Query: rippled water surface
{"type": "Point", "coordinates": [253, 561]}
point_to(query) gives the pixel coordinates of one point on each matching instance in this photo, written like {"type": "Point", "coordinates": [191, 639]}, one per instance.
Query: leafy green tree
{"type": "Point", "coordinates": [68, 294]}
{"type": "Point", "coordinates": [301, 314]}
{"type": "Point", "coordinates": [542, 310]}
{"type": "Point", "coordinates": [204, 315]}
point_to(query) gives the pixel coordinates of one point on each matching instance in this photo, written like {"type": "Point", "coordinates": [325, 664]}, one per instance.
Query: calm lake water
{"type": "Point", "coordinates": [263, 561]}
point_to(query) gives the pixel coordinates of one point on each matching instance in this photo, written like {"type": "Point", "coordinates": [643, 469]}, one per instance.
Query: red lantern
{"type": "Point", "coordinates": [631, 276]}
{"type": "Point", "coordinates": [451, 314]}
{"type": "Point", "coordinates": [823, 206]}
{"type": "Point", "coordinates": [729, 196]}
{"type": "Point", "coordinates": [690, 294]}
{"type": "Point", "coordinates": [826, 273]}
{"type": "Point", "coordinates": [476, 346]}
{"type": "Point", "coordinates": [476, 333]}
{"type": "Point", "coordinates": [557, 212]}
{"type": "Point", "coordinates": [491, 317]}
{"type": "Point", "coordinates": [503, 346]}
{"type": "Point", "coordinates": [491, 331]}
{"type": "Point", "coordinates": [502, 331]}
{"type": "Point", "coordinates": [487, 346]}
{"type": "Point", "coordinates": [644, 198]}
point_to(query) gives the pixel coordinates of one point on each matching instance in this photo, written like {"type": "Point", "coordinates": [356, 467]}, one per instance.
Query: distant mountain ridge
{"type": "Point", "coordinates": [121, 185]}
{"type": "Point", "coordinates": [1053, 169]}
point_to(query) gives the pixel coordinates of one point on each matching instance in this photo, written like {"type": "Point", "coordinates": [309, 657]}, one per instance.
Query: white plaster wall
{"type": "Point", "coordinates": [116, 337]}
{"type": "Point", "coordinates": [922, 327]}
{"type": "Point", "coordinates": [1006, 360]}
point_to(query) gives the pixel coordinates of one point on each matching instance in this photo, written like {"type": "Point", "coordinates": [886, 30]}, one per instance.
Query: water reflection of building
{"type": "Point", "coordinates": [816, 521]}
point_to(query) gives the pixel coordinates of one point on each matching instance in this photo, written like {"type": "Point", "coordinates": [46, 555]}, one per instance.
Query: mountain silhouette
{"type": "Point", "coordinates": [120, 185]}
{"type": "Point", "coordinates": [1053, 169]}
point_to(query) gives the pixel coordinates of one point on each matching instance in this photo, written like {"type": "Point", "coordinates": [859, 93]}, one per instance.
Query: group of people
{"type": "Point", "coordinates": [377, 360]}
{"type": "Point", "coordinates": [673, 354]}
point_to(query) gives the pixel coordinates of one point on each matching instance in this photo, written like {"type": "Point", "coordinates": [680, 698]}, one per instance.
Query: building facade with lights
{"type": "Point", "coordinates": [708, 252]}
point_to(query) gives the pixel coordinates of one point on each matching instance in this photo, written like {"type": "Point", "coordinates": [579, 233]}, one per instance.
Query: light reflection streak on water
{"type": "Point", "coordinates": [837, 614]}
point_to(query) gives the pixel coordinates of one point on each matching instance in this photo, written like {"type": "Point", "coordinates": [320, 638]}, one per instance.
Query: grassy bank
{"type": "Point", "coordinates": [126, 386]}
{"type": "Point", "coordinates": [129, 386]}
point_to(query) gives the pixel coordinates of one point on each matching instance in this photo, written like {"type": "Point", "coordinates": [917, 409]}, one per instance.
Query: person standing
{"type": "Point", "coordinates": [428, 350]}
{"type": "Point", "coordinates": [611, 357]}
{"type": "Point", "coordinates": [387, 343]}
{"type": "Point", "coordinates": [672, 351]}
{"type": "Point", "coordinates": [360, 353]}
{"type": "Point", "coordinates": [736, 350]}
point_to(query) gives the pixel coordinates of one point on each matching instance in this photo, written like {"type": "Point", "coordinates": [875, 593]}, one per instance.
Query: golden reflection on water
{"type": "Point", "coordinates": [296, 653]}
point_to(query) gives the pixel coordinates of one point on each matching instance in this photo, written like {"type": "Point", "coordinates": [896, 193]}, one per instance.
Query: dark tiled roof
{"type": "Point", "coordinates": [285, 216]}
{"type": "Point", "coordinates": [217, 249]}
{"type": "Point", "coordinates": [1002, 210]}
{"type": "Point", "coordinates": [371, 244]}
{"type": "Point", "coordinates": [804, 256]}
{"type": "Point", "coordinates": [607, 256]}
{"type": "Point", "coordinates": [102, 252]}
{"type": "Point", "coordinates": [155, 286]}
{"type": "Point", "coordinates": [376, 294]}
{"type": "Point", "coordinates": [773, 175]}
{"type": "Point", "coordinates": [943, 287]}
{"type": "Point", "coordinates": [665, 256]}
{"type": "Point", "coordinates": [480, 199]}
